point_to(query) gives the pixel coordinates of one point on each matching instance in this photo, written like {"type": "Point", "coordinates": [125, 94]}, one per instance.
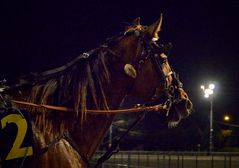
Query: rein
{"type": "Point", "coordinates": [115, 145]}
{"type": "Point", "coordinates": [137, 108]}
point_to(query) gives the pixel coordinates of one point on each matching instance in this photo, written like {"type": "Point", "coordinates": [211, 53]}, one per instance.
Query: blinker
{"type": "Point", "coordinates": [130, 71]}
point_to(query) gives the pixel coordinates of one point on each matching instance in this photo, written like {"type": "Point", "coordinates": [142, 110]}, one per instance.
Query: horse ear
{"type": "Point", "coordinates": [136, 21]}
{"type": "Point", "coordinates": [130, 70]}
{"type": "Point", "coordinates": [155, 28]}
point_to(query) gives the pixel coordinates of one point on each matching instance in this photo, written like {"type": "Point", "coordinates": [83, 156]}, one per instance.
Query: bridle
{"type": "Point", "coordinates": [157, 55]}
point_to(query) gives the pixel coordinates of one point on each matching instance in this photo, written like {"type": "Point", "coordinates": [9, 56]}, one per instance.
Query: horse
{"type": "Point", "coordinates": [131, 63]}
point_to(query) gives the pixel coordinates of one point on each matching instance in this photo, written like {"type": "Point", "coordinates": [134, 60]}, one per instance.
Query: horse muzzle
{"type": "Point", "coordinates": [183, 107]}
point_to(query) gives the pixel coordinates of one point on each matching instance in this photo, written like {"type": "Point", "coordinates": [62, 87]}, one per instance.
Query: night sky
{"type": "Point", "coordinates": [39, 35]}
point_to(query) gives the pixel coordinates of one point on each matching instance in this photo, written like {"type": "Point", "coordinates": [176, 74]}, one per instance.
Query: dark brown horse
{"type": "Point", "coordinates": [131, 63]}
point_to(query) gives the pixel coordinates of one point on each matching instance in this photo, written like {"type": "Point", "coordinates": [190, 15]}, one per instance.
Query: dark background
{"type": "Point", "coordinates": [39, 35]}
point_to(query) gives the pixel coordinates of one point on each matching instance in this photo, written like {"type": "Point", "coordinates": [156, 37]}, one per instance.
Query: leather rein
{"type": "Point", "coordinates": [137, 108]}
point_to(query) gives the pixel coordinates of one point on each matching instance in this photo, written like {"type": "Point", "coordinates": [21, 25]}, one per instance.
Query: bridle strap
{"type": "Point", "coordinates": [137, 108]}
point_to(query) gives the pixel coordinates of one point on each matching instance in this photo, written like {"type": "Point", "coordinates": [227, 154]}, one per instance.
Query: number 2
{"type": "Point", "coordinates": [16, 151]}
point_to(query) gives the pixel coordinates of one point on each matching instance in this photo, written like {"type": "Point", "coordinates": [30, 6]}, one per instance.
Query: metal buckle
{"type": "Point", "coordinates": [167, 105]}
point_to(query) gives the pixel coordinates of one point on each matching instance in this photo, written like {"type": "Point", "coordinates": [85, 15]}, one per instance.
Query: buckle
{"type": "Point", "coordinates": [167, 105]}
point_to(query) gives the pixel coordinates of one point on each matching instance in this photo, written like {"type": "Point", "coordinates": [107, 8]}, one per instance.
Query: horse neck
{"type": "Point", "coordinates": [94, 128]}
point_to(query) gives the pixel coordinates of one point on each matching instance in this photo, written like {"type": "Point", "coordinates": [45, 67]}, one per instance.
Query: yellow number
{"type": "Point", "coordinates": [16, 151]}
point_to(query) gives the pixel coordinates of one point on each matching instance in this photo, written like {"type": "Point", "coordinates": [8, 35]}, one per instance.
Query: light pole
{"type": "Point", "coordinates": [208, 93]}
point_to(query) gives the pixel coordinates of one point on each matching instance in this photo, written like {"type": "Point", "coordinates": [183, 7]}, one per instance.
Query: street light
{"type": "Point", "coordinates": [208, 93]}
{"type": "Point", "coordinates": [226, 117]}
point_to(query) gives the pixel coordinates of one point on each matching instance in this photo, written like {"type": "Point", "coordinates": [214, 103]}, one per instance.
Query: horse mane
{"type": "Point", "coordinates": [69, 84]}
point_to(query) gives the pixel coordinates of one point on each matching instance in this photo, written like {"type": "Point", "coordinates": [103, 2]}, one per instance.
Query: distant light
{"type": "Point", "coordinates": [208, 91]}
{"type": "Point", "coordinates": [211, 86]}
{"type": "Point", "coordinates": [226, 118]}
{"type": "Point", "coordinates": [211, 92]}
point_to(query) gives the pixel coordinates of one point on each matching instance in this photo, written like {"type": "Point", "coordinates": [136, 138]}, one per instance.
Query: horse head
{"type": "Point", "coordinates": [151, 77]}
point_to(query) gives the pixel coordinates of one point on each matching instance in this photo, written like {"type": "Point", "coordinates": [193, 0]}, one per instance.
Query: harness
{"type": "Point", "coordinates": [151, 50]}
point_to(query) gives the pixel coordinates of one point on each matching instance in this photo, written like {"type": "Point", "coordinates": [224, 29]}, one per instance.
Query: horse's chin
{"type": "Point", "coordinates": [173, 120]}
